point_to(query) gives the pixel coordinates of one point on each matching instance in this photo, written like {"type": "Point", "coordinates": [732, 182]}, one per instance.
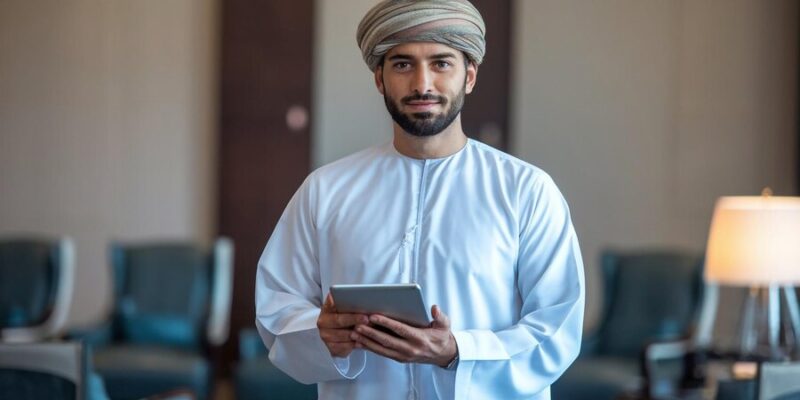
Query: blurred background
{"type": "Point", "coordinates": [190, 119]}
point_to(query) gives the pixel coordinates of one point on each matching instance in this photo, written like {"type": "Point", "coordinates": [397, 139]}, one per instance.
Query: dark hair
{"type": "Point", "coordinates": [467, 60]}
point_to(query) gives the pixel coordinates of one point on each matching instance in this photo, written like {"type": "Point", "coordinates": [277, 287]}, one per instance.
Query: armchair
{"type": "Point", "coordinates": [36, 281]}
{"type": "Point", "coordinates": [54, 370]}
{"type": "Point", "coordinates": [257, 379]}
{"type": "Point", "coordinates": [171, 303]}
{"type": "Point", "coordinates": [648, 296]}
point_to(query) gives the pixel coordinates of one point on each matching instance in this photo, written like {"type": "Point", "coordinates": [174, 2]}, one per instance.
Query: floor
{"type": "Point", "coordinates": [223, 390]}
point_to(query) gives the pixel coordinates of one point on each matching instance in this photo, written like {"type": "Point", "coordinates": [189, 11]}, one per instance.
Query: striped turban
{"type": "Point", "coordinates": [455, 23]}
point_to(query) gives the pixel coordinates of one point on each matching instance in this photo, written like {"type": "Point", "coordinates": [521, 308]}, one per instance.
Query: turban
{"type": "Point", "coordinates": [455, 23]}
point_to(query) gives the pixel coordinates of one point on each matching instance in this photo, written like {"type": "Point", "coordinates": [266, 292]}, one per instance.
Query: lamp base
{"type": "Point", "coordinates": [770, 332]}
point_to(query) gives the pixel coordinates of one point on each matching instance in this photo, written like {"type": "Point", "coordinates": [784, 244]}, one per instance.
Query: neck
{"type": "Point", "coordinates": [445, 143]}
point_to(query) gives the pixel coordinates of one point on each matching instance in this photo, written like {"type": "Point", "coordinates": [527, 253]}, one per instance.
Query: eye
{"type": "Point", "coordinates": [401, 65]}
{"type": "Point", "coordinates": [441, 64]}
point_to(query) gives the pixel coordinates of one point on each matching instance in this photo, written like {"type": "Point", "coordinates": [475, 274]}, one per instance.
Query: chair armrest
{"type": "Point", "coordinates": [590, 343]}
{"type": "Point", "coordinates": [219, 316]}
{"type": "Point", "coordinates": [94, 336]}
{"type": "Point", "coordinates": [660, 351]}
{"type": "Point", "coordinates": [667, 368]}
{"type": "Point", "coordinates": [250, 345]}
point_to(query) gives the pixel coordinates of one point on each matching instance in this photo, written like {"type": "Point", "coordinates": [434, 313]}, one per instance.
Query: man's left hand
{"type": "Point", "coordinates": [432, 345]}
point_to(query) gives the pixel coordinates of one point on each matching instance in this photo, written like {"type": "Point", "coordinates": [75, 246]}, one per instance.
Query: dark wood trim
{"type": "Point", "coordinates": [266, 68]}
{"type": "Point", "coordinates": [486, 111]}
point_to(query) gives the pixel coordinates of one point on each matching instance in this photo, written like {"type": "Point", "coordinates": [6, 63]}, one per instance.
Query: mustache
{"type": "Point", "coordinates": [424, 97]}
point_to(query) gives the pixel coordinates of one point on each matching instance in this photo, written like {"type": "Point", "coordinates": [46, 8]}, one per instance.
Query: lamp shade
{"type": "Point", "coordinates": [754, 241]}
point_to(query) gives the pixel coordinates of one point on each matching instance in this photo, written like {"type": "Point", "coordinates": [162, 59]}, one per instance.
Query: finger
{"type": "Point", "coordinates": [385, 340]}
{"type": "Point", "coordinates": [440, 319]}
{"type": "Point", "coordinates": [338, 321]}
{"type": "Point", "coordinates": [349, 320]}
{"type": "Point", "coordinates": [401, 329]}
{"type": "Point", "coordinates": [328, 306]}
{"type": "Point", "coordinates": [375, 347]}
{"type": "Point", "coordinates": [336, 335]}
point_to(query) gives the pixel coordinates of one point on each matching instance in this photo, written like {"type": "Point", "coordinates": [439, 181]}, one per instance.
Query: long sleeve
{"type": "Point", "coordinates": [524, 359]}
{"type": "Point", "coordinates": [289, 296]}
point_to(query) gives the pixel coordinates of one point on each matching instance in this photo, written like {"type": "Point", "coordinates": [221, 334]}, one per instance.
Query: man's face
{"type": "Point", "coordinates": [423, 85]}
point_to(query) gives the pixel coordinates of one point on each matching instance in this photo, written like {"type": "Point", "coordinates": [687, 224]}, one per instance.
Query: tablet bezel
{"type": "Point", "coordinates": [399, 301]}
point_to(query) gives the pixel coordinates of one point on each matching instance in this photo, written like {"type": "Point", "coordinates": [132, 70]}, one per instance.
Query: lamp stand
{"type": "Point", "coordinates": [762, 321]}
{"type": "Point", "coordinates": [793, 310]}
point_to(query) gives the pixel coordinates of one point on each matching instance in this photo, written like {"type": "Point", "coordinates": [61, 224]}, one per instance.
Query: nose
{"type": "Point", "coordinates": [422, 81]}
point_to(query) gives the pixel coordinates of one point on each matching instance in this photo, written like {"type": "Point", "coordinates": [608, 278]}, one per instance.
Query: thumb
{"type": "Point", "coordinates": [440, 319]}
{"type": "Point", "coordinates": [329, 306]}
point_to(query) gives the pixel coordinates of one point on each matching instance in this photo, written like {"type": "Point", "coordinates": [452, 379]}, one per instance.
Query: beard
{"type": "Point", "coordinates": [424, 124]}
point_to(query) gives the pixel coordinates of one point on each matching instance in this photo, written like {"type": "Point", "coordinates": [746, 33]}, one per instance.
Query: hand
{"type": "Point", "coordinates": [432, 345]}
{"type": "Point", "coordinates": [335, 328]}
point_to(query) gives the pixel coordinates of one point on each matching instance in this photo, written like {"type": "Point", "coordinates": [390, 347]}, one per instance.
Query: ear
{"type": "Point", "coordinates": [472, 76]}
{"type": "Point", "coordinates": [379, 79]}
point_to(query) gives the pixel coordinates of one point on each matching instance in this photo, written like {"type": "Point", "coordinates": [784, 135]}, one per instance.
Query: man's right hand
{"type": "Point", "coordinates": [335, 328]}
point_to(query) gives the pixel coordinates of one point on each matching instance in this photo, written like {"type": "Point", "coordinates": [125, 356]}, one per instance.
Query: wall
{"type": "Point", "coordinates": [107, 121]}
{"type": "Point", "coordinates": [349, 113]}
{"type": "Point", "coordinates": [645, 112]}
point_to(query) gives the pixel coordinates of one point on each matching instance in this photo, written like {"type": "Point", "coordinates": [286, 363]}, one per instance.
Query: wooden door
{"type": "Point", "coordinates": [265, 87]}
{"type": "Point", "coordinates": [485, 115]}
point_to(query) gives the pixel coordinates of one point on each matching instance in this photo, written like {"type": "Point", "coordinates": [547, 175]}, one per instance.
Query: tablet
{"type": "Point", "coordinates": [402, 302]}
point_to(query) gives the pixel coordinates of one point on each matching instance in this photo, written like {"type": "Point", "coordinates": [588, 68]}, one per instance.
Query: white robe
{"type": "Point", "coordinates": [487, 236]}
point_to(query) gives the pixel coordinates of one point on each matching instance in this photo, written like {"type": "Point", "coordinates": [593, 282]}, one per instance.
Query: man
{"type": "Point", "coordinates": [488, 237]}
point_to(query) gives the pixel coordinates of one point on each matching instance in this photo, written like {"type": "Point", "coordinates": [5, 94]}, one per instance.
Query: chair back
{"type": "Point", "coordinates": [47, 370]}
{"type": "Point", "coordinates": [649, 296]}
{"type": "Point", "coordinates": [169, 293]}
{"type": "Point", "coordinates": [36, 280]}
{"type": "Point", "coordinates": [736, 389]}
{"type": "Point", "coordinates": [250, 345]}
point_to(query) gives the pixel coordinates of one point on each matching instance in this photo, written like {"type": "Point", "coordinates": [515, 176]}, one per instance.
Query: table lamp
{"type": "Point", "coordinates": [754, 242]}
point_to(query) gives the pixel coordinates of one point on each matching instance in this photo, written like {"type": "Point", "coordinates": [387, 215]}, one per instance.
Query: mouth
{"type": "Point", "coordinates": [421, 106]}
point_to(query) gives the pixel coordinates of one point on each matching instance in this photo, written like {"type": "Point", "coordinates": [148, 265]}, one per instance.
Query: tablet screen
{"type": "Point", "coordinates": [402, 302]}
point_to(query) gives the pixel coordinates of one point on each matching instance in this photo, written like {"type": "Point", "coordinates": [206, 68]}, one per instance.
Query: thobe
{"type": "Point", "coordinates": [487, 236]}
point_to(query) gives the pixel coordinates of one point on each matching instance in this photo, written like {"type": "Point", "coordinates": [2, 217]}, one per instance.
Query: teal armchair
{"type": "Point", "coordinates": [36, 285]}
{"type": "Point", "coordinates": [257, 379]}
{"type": "Point", "coordinates": [36, 281]}
{"type": "Point", "coordinates": [47, 370]}
{"type": "Point", "coordinates": [648, 296]}
{"type": "Point", "coordinates": [171, 305]}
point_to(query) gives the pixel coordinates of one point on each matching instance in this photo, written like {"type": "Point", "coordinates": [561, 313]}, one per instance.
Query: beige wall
{"type": "Point", "coordinates": [646, 111]}
{"type": "Point", "coordinates": [643, 111]}
{"type": "Point", "coordinates": [349, 114]}
{"type": "Point", "coordinates": [107, 116]}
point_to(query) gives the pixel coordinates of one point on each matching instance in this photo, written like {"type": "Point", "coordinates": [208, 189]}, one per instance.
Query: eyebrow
{"type": "Point", "coordinates": [440, 56]}
{"type": "Point", "coordinates": [437, 56]}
